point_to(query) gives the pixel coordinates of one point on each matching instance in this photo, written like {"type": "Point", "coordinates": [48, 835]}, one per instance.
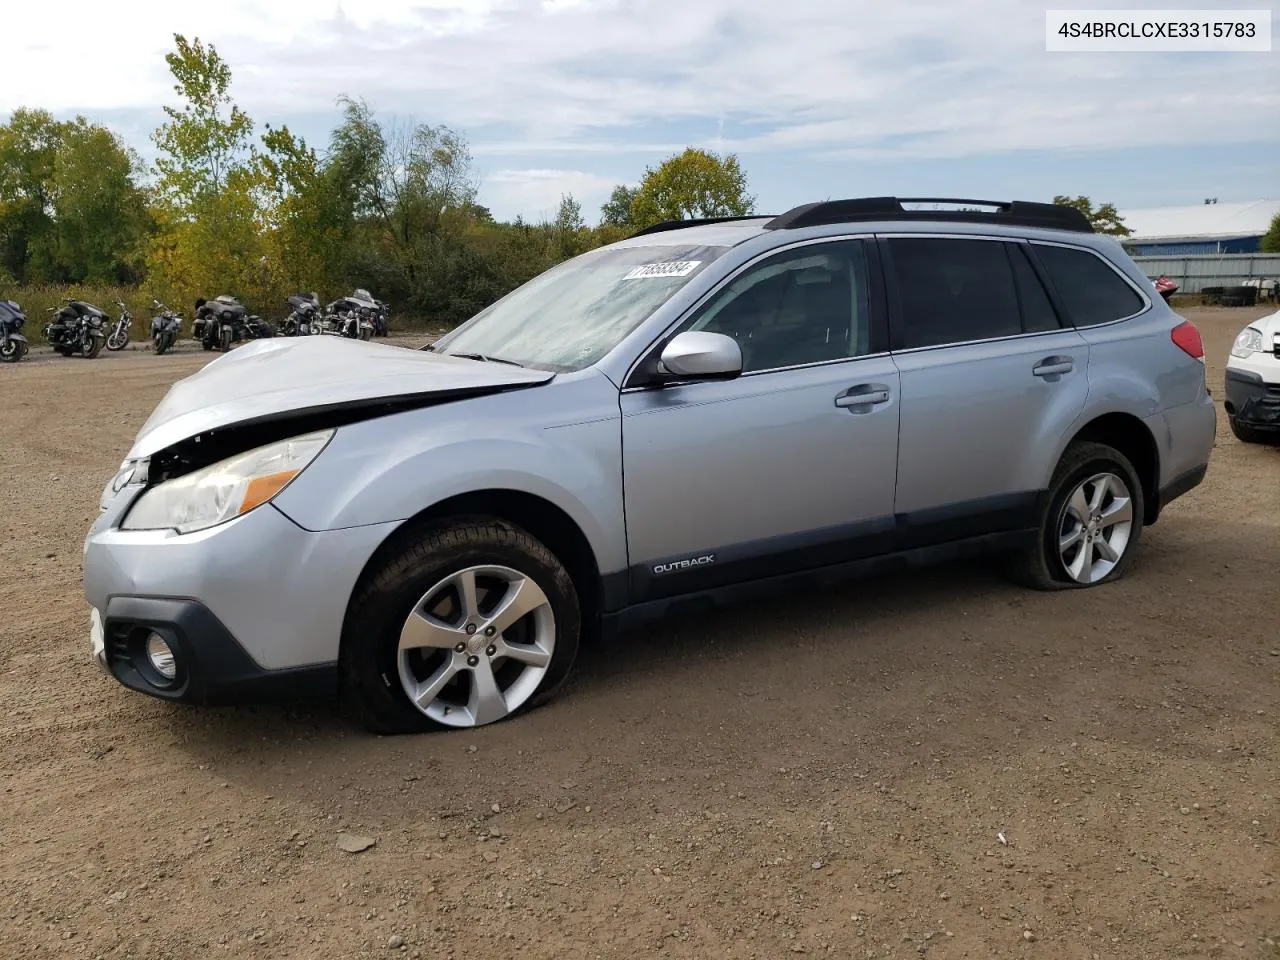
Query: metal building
{"type": "Point", "coordinates": [1202, 228]}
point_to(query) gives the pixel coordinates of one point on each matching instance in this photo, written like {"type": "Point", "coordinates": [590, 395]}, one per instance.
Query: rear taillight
{"type": "Point", "coordinates": [1187, 337]}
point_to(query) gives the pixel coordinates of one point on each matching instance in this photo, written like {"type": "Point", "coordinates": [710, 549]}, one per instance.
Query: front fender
{"type": "Point", "coordinates": [561, 443]}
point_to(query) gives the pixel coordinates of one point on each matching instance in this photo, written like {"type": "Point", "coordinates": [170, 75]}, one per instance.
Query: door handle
{"type": "Point", "coordinates": [1053, 366]}
{"type": "Point", "coordinates": [863, 395]}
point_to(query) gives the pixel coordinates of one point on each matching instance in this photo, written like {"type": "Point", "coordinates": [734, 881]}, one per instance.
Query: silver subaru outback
{"type": "Point", "coordinates": [704, 411]}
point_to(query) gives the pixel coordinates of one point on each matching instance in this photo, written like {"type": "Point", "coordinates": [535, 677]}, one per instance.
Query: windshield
{"type": "Point", "coordinates": [573, 314]}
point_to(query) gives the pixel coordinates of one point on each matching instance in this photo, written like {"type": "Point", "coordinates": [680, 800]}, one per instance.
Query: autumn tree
{"type": "Point", "coordinates": [213, 215]}
{"type": "Point", "coordinates": [1105, 218]}
{"type": "Point", "coordinates": [205, 140]}
{"type": "Point", "coordinates": [692, 184]}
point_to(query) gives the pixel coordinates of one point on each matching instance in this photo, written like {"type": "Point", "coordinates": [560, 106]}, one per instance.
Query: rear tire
{"type": "Point", "coordinates": [375, 675]}
{"type": "Point", "coordinates": [1056, 561]}
{"type": "Point", "coordinates": [1247, 434]}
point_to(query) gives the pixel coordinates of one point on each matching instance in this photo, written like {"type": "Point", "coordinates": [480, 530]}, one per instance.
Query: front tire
{"type": "Point", "coordinates": [118, 340]}
{"type": "Point", "coordinates": [1091, 523]}
{"type": "Point", "coordinates": [470, 623]}
{"type": "Point", "coordinates": [1247, 434]}
{"type": "Point", "coordinates": [13, 351]}
{"type": "Point", "coordinates": [92, 346]}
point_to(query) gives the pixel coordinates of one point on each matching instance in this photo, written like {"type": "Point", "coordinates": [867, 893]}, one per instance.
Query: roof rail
{"type": "Point", "coordinates": [1022, 213]}
{"type": "Point", "coordinates": [666, 225]}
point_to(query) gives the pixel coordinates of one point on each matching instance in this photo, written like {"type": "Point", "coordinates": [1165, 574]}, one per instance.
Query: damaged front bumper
{"type": "Point", "coordinates": [1252, 401]}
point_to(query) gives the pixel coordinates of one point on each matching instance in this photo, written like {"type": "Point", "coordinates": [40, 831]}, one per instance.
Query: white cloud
{"type": "Point", "coordinates": [535, 194]}
{"type": "Point", "coordinates": [836, 78]}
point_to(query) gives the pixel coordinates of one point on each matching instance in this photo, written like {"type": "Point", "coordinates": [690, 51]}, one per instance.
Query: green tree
{"type": "Point", "coordinates": [1105, 218]}
{"type": "Point", "coordinates": [1271, 239]}
{"type": "Point", "coordinates": [71, 209]}
{"type": "Point", "coordinates": [568, 229]}
{"type": "Point", "coordinates": [28, 151]}
{"type": "Point", "coordinates": [216, 210]}
{"type": "Point", "coordinates": [205, 140]}
{"type": "Point", "coordinates": [616, 211]}
{"type": "Point", "coordinates": [306, 228]}
{"type": "Point", "coordinates": [692, 184]}
{"type": "Point", "coordinates": [409, 195]}
{"type": "Point", "coordinates": [102, 214]}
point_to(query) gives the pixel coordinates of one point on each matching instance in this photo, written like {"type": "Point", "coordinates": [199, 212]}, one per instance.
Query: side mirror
{"type": "Point", "coordinates": [699, 355]}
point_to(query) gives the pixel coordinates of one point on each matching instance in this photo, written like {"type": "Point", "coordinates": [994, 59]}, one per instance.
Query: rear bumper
{"type": "Point", "coordinates": [1252, 401]}
{"type": "Point", "coordinates": [211, 666]}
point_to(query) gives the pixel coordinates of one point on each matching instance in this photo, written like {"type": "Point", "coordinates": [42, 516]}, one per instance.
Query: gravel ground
{"type": "Point", "coordinates": [941, 765]}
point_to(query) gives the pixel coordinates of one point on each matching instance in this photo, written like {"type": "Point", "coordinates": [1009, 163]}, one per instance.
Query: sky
{"type": "Point", "coordinates": [818, 98]}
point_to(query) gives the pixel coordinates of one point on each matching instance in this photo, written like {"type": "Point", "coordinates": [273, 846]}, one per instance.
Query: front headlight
{"type": "Point", "coordinates": [226, 489]}
{"type": "Point", "coordinates": [130, 472]}
{"type": "Point", "coordinates": [1249, 341]}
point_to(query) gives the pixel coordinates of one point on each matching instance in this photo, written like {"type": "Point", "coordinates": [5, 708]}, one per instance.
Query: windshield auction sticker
{"type": "Point", "coordinates": [672, 268]}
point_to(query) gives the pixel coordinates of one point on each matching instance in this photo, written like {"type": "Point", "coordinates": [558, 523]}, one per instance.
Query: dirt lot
{"type": "Point", "coordinates": [949, 767]}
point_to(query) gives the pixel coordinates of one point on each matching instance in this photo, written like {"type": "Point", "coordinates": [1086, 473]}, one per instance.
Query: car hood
{"type": "Point", "coordinates": [285, 377]}
{"type": "Point", "coordinates": [1270, 325]}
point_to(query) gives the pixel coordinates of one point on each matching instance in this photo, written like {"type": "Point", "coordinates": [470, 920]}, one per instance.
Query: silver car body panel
{"type": "Point", "coordinates": [562, 444]}
{"type": "Point", "coordinates": [282, 591]}
{"type": "Point", "coordinates": [289, 375]}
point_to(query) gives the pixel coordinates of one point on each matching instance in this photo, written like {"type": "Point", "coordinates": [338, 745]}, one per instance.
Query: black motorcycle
{"type": "Point", "coordinates": [77, 327]}
{"type": "Point", "coordinates": [165, 327]}
{"type": "Point", "coordinates": [118, 338]}
{"type": "Point", "coordinates": [305, 318]}
{"type": "Point", "coordinates": [223, 321]}
{"type": "Point", "coordinates": [13, 345]}
{"type": "Point", "coordinates": [382, 319]}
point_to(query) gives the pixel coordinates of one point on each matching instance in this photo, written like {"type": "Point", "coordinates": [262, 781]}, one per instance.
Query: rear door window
{"type": "Point", "coordinates": [1090, 290]}
{"type": "Point", "coordinates": [952, 290]}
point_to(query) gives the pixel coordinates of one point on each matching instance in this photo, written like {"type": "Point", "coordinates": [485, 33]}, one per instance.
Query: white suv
{"type": "Point", "coordinates": [1253, 382]}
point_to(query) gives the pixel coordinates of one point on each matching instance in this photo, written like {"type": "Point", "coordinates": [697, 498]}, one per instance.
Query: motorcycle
{"type": "Point", "coordinates": [165, 327]}
{"type": "Point", "coordinates": [223, 321]}
{"type": "Point", "coordinates": [305, 318]}
{"type": "Point", "coordinates": [381, 319]}
{"type": "Point", "coordinates": [351, 316]}
{"type": "Point", "coordinates": [1165, 287]}
{"type": "Point", "coordinates": [13, 345]}
{"type": "Point", "coordinates": [76, 328]}
{"type": "Point", "coordinates": [118, 339]}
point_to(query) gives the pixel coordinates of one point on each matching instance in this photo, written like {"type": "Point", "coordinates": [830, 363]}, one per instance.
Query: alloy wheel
{"type": "Point", "coordinates": [1095, 527]}
{"type": "Point", "coordinates": [476, 645]}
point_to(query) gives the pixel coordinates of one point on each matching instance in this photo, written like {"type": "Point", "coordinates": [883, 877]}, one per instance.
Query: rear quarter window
{"type": "Point", "coordinates": [1091, 291]}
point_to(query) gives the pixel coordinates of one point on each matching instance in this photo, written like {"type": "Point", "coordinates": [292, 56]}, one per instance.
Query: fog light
{"type": "Point", "coordinates": [161, 656]}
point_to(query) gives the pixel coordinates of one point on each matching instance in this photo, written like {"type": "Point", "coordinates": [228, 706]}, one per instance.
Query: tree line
{"type": "Point", "coordinates": [391, 207]}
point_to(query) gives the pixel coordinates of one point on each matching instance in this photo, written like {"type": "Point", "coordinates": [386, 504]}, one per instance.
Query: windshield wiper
{"type": "Point", "coordinates": [487, 359]}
